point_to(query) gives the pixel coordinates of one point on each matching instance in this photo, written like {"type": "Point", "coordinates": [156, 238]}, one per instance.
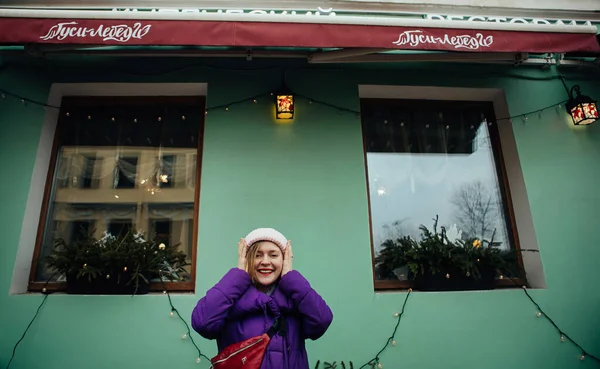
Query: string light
{"type": "Point", "coordinates": [391, 340]}
{"type": "Point", "coordinates": [255, 98]}
{"type": "Point", "coordinates": [188, 333]}
{"type": "Point", "coordinates": [563, 336]}
{"type": "Point", "coordinates": [372, 363]}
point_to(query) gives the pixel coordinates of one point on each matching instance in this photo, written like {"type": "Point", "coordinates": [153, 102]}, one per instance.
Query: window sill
{"type": "Point", "coordinates": [177, 287]}
{"type": "Point", "coordinates": [402, 286]}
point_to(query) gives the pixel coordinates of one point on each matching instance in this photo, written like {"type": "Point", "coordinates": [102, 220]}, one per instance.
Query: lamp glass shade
{"type": "Point", "coordinates": [584, 113]}
{"type": "Point", "coordinates": [284, 106]}
{"type": "Point", "coordinates": [583, 110]}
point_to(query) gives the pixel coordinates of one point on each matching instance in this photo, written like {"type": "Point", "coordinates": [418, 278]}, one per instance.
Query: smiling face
{"type": "Point", "coordinates": [265, 262]}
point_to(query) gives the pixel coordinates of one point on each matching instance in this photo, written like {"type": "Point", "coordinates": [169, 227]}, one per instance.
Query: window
{"type": "Point", "coordinates": [126, 172]}
{"type": "Point", "coordinates": [119, 227]}
{"type": "Point", "coordinates": [121, 164]}
{"type": "Point", "coordinates": [427, 158]}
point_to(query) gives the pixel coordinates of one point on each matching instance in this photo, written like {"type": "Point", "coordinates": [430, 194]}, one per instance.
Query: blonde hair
{"type": "Point", "coordinates": [250, 257]}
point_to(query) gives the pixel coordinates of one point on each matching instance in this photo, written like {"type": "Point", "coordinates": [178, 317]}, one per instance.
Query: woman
{"type": "Point", "coordinates": [246, 301]}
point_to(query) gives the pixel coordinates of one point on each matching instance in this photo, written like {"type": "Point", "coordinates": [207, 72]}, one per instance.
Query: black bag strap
{"type": "Point", "coordinates": [279, 326]}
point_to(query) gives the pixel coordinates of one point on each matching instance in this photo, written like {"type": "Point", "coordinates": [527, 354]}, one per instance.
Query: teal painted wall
{"type": "Point", "coordinates": [308, 180]}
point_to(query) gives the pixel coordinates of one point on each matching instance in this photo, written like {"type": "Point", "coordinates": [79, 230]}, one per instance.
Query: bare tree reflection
{"type": "Point", "coordinates": [477, 209]}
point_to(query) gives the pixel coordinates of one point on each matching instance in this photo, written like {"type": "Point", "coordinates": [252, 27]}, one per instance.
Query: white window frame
{"type": "Point", "coordinates": [522, 212]}
{"type": "Point", "coordinates": [33, 208]}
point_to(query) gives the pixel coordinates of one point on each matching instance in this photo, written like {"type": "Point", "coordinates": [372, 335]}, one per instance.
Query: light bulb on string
{"type": "Point", "coordinates": [184, 336]}
{"type": "Point", "coordinates": [538, 314]}
{"type": "Point", "coordinates": [198, 360]}
{"type": "Point", "coordinates": [582, 357]}
{"type": "Point", "coordinates": [393, 342]}
{"type": "Point", "coordinates": [562, 338]}
{"type": "Point", "coordinates": [171, 313]}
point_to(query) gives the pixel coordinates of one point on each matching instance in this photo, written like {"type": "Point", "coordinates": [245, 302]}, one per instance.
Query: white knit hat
{"type": "Point", "coordinates": [267, 234]}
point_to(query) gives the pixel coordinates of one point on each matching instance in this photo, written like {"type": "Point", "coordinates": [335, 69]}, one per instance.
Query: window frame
{"type": "Point", "coordinates": [198, 100]}
{"type": "Point", "coordinates": [500, 168]}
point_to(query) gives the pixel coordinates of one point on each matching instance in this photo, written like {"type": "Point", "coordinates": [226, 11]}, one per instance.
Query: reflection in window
{"type": "Point", "coordinates": [428, 159]}
{"type": "Point", "coordinates": [80, 229]}
{"type": "Point", "coordinates": [173, 224]}
{"type": "Point", "coordinates": [119, 228]}
{"type": "Point", "coordinates": [124, 164]}
{"type": "Point", "coordinates": [125, 172]}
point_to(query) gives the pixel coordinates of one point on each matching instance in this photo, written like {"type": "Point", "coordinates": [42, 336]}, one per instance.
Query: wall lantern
{"type": "Point", "coordinates": [284, 104]}
{"type": "Point", "coordinates": [582, 108]}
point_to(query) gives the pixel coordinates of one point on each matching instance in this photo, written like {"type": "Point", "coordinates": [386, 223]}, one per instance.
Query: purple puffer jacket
{"type": "Point", "coordinates": [234, 310]}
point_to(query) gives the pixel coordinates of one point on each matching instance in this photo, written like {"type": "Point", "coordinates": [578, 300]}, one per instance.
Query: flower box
{"type": "Point", "coordinates": [454, 280]}
{"type": "Point", "coordinates": [98, 286]}
{"type": "Point", "coordinates": [438, 263]}
{"type": "Point", "coordinates": [115, 265]}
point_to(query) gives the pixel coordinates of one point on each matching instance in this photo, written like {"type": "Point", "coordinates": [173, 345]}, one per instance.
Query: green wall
{"type": "Point", "coordinates": [308, 180]}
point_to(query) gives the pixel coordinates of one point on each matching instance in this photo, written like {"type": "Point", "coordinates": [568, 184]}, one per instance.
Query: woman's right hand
{"type": "Point", "coordinates": [242, 250]}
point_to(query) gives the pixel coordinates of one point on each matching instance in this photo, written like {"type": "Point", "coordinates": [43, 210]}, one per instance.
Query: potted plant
{"type": "Point", "coordinates": [334, 365]}
{"type": "Point", "coordinates": [115, 264]}
{"type": "Point", "coordinates": [437, 263]}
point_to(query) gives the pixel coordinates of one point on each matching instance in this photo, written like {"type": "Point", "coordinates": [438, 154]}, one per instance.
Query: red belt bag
{"type": "Point", "coordinates": [249, 353]}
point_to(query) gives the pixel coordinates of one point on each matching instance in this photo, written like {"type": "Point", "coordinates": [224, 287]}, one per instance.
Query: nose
{"type": "Point", "coordinates": [264, 260]}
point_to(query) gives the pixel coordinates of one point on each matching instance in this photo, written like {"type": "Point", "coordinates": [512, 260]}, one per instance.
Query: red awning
{"type": "Point", "coordinates": [282, 31]}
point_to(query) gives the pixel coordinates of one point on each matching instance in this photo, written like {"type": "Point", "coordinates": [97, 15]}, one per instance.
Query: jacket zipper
{"type": "Point", "coordinates": [238, 351]}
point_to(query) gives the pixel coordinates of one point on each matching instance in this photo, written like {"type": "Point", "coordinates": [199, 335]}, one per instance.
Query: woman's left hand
{"type": "Point", "coordinates": [287, 259]}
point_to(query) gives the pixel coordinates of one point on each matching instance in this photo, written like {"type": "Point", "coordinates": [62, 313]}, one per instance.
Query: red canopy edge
{"type": "Point", "coordinates": [15, 31]}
